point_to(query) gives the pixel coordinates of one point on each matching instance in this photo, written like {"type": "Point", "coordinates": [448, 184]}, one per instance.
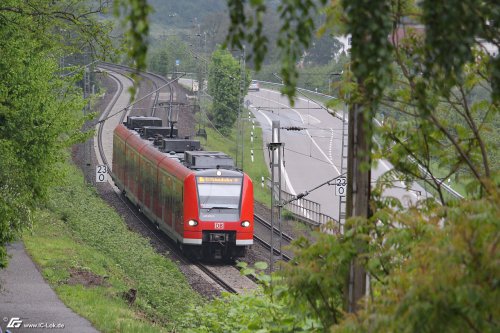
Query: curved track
{"type": "Point", "coordinates": [105, 115]}
{"type": "Point", "coordinates": [151, 77]}
{"type": "Point", "coordinates": [213, 272]}
{"type": "Point", "coordinates": [154, 78]}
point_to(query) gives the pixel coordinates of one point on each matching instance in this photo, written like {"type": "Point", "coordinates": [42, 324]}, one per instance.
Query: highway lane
{"type": "Point", "coordinates": [313, 155]}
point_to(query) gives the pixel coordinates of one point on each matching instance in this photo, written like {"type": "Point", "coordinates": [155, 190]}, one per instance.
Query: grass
{"type": "Point", "coordinates": [458, 186]}
{"type": "Point", "coordinates": [77, 230]}
{"type": "Point", "coordinates": [257, 169]}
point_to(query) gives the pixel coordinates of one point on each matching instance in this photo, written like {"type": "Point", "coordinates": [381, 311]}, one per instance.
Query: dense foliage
{"type": "Point", "coordinates": [426, 277]}
{"type": "Point", "coordinates": [163, 56]}
{"type": "Point", "coordinates": [39, 107]}
{"type": "Point", "coordinates": [227, 89]}
{"type": "Point", "coordinates": [432, 267]}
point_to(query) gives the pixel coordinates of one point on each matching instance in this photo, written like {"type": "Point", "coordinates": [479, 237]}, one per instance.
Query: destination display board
{"type": "Point", "coordinates": [219, 180]}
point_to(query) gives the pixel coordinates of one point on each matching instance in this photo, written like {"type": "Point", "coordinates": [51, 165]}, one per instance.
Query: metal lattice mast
{"type": "Point", "coordinates": [275, 149]}
{"type": "Point", "coordinates": [343, 168]}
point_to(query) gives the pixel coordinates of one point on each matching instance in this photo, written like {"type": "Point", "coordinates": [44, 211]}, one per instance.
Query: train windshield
{"type": "Point", "coordinates": [219, 197]}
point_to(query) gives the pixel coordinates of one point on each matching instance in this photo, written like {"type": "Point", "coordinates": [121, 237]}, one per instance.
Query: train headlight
{"type": "Point", "coordinates": [245, 224]}
{"type": "Point", "coordinates": [192, 223]}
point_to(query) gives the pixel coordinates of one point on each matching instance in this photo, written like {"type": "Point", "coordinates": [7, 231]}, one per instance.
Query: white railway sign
{"type": "Point", "coordinates": [101, 173]}
{"type": "Point", "coordinates": [340, 186]}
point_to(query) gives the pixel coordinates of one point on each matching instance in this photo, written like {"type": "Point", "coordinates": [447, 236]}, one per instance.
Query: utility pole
{"type": "Point", "coordinates": [358, 191]}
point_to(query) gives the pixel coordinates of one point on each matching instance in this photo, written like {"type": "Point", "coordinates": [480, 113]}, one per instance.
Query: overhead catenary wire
{"type": "Point", "coordinates": [137, 101]}
{"type": "Point", "coordinates": [310, 156]}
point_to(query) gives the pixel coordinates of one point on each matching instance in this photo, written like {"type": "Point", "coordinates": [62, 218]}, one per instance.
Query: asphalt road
{"type": "Point", "coordinates": [313, 155]}
{"type": "Point", "coordinates": [25, 298]}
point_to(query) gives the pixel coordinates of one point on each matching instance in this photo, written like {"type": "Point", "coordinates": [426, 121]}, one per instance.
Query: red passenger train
{"type": "Point", "coordinates": [196, 197]}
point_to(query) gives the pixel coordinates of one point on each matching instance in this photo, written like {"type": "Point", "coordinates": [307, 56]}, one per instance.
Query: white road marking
{"type": "Point", "coordinates": [302, 99]}
{"type": "Point", "coordinates": [386, 166]}
{"type": "Point", "coordinates": [312, 120]}
{"type": "Point", "coordinates": [283, 170]}
{"type": "Point", "coordinates": [330, 148]}
{"type": "Point", "coordinates": [307, 131]}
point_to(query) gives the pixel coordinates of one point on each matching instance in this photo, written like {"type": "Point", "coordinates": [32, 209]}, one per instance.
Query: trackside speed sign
{"type": "Point", "coordinates": [101, 173]}
{"type": "Point", "coordinates": [340, 186]}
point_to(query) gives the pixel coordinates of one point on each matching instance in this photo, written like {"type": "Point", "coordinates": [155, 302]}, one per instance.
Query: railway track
{"type": "Point", "coordinates": [106, 114]}
{"type": "Point", "coordinates": [277, 232]}
{"type": "Point", "coordinates": [208, 270]}
{"type": "Point", "coordinates": [152, 77]}
{"type": "Point", "coordinates": [149, 76]}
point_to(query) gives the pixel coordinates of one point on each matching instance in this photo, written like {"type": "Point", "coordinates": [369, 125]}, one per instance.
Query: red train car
{"type": "Point", "coordinates": [195, 197]}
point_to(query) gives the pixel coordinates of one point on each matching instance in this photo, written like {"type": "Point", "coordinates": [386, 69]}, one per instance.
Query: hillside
{"type": "Point", "coordinates": [183, 14]}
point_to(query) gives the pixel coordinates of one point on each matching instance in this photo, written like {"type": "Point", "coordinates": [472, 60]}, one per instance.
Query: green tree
{"type": "Point", "coordinates": [40, 108]}
{"type": "Point", "coordinates": [163, 55]}
{"type": "Point", "coordinates": [323, 50]}
{"type": "Point", "coordinates": [226, 88]}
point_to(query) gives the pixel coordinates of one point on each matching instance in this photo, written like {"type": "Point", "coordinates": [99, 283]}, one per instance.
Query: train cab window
{"type": "Point", "coordinates": [219, 198]}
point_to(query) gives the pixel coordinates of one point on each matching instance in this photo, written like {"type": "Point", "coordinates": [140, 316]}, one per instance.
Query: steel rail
{"type": "Point", "coordinates": [276, 230]}
{"type": "Point", "coordinates": [104, 115]}
{"type": "Point", "coordinates": [267, 246]}
{"type": "Point", "coordinates": [145, 76]}
{"type": "Point", "coordinates": [216, 278]}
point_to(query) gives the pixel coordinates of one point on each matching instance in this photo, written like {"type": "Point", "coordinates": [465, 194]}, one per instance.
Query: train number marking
{"type": "Point", "coordinates": [219, 225]}
{"type": "Point", "coordinates": [101, 172]}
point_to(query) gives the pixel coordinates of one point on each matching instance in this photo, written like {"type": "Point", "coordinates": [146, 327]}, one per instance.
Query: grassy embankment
{"type": "Point", "coordinates": [257, 169]}
{"type": "Point", "coordinates": [78, 236]}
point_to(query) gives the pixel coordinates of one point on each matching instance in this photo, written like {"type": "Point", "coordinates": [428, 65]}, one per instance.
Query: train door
{"type": "Point", "coordinates": [128, 168]}
{"type": "Point", "coordinates": [132, 170]}
{"type": "Point", "coordinates": [177, 210]}
{"type": "Point", "coordinates": [145, 182]}
{"type": "Point", "coordinates": [174, 204]}
{"type": "Point", "coordinates": [165, 199]}
{"type": "Point", "coordinates": [137, 179]}
{"type": "Point", "coordinates": [168, 203]}
{"type": "Point", "coordinates": [154, 190]}
{"type": "Point", "coordinates": [160, 210]}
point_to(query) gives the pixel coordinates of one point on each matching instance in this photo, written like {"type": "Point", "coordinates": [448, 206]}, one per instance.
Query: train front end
{"type": "Point", "coordinates": [221, 214]}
